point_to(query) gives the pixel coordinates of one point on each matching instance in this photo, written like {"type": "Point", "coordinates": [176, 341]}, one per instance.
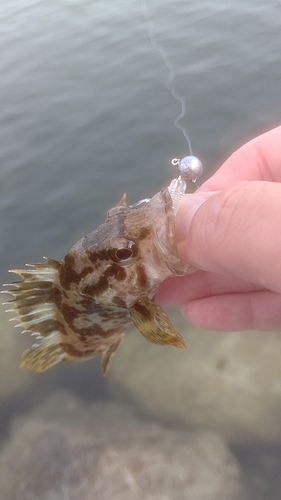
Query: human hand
{"type": "Point", "coordinates": [230, 230]}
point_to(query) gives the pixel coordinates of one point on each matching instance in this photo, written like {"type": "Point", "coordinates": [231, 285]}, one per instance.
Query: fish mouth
{"type": "Point", "coordinates": [164, 238]}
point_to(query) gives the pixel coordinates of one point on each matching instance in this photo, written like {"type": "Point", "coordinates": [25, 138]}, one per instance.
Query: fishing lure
{"type": "Point", "coordinates": [82, 306]}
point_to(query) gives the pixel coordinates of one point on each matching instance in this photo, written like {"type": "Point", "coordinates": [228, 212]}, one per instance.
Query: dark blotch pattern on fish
{"type": "Point", "coordinates": [113, 271]}
{"type": "Point", "coordinates": [141, 276]}
{"type": "Point", "coordinates": [68, 275]}
{"type": "Point", "coordinates": [98, 256]}
{"type": "Point", "coordinates": [57, 296]}
{"type": "Point", "coordinates": [70, 313]}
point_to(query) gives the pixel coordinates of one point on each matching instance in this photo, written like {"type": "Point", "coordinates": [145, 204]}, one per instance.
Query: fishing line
{"type": "Point", "coordinates": [169, 84]}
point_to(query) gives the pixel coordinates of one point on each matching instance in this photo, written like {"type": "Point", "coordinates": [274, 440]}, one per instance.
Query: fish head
{"type": "Point", "coordinates": [127, 256]}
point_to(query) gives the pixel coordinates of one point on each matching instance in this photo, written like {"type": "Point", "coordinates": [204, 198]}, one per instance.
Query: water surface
{"type": "Point", "coordinates": [85, 115]}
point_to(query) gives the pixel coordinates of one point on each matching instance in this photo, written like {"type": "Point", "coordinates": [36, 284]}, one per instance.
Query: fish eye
{"type": "Point", "coordinates": [123, 250]}
{"type": "Point", "coordinates": [123, 253]}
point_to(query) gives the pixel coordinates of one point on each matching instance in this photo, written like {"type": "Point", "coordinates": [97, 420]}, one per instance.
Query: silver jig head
{"type": "Point", "coordinates": [190, 168]}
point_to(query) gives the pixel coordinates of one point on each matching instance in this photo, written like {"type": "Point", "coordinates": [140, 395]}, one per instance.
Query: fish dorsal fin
{"type": "Point", "coordinates": [122, 202]}
{"type": "Point", "coordinates": [33, 303]}
{"type": "Point", "coordinates": [41, 357]}
{"type": "Point", "coordinates": [33, 298]}
{"type": "Point", "coordinates": [153, 323]}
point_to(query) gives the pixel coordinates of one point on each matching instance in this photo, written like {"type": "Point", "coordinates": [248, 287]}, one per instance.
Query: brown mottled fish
{"type": "Point", "coordinates": [82, 306]}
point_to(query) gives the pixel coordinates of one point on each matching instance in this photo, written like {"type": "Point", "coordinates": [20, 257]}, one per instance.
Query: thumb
{"type": "Point", "coordinates": [236, 231]}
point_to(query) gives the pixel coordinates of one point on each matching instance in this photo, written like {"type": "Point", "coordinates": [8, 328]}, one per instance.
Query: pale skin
{"type": "Point", "coordinates": [234, 240]}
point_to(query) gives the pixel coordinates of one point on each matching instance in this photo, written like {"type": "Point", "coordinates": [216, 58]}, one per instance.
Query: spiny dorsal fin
{"type": "Point", "coordinates": [154, 324]}
{"type": "Point", "coordinates": [33, 297]}
{"type": "Point", "coordinates": [122, 202]}
{"type": "Point", "coordinates": [33, 301]}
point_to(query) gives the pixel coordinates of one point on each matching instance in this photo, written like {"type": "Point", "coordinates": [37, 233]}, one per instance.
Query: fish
{"type": "Point", "coordinates": [82, 306]}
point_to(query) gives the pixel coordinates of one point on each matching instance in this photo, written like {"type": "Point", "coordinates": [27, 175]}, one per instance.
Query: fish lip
{"type": "Point", "coordinates": [165, 238]}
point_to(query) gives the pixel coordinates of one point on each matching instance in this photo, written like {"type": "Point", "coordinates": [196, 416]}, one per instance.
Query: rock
{"type": "Point", "coordinates": [226, 382]}
{"type": "Point", "coordinates": [67, 451]}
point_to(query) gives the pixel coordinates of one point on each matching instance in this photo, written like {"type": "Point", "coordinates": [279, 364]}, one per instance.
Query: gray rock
{"type": "Point", "coordinates": [67, 451]}
{"type": "Point", "coordinates": [226, 382]}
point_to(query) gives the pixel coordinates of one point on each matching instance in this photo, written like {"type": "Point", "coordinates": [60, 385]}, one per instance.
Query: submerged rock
{"type": "Point", "coordinates": [226, 382]}
{"type": "Point", "coordinates": [67, 451]}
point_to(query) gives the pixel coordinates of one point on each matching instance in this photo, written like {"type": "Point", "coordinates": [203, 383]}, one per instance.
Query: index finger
{"type": "Point", "coordinates": [258, 159]}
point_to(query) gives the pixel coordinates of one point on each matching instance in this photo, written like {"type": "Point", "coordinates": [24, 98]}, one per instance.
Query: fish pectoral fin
{"type": "Point", "coordinates": [108, 353]}
{"type": "Point", "coordinates": [41, 357]}
{"type": "Point", "coordinates": [153, 323]}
